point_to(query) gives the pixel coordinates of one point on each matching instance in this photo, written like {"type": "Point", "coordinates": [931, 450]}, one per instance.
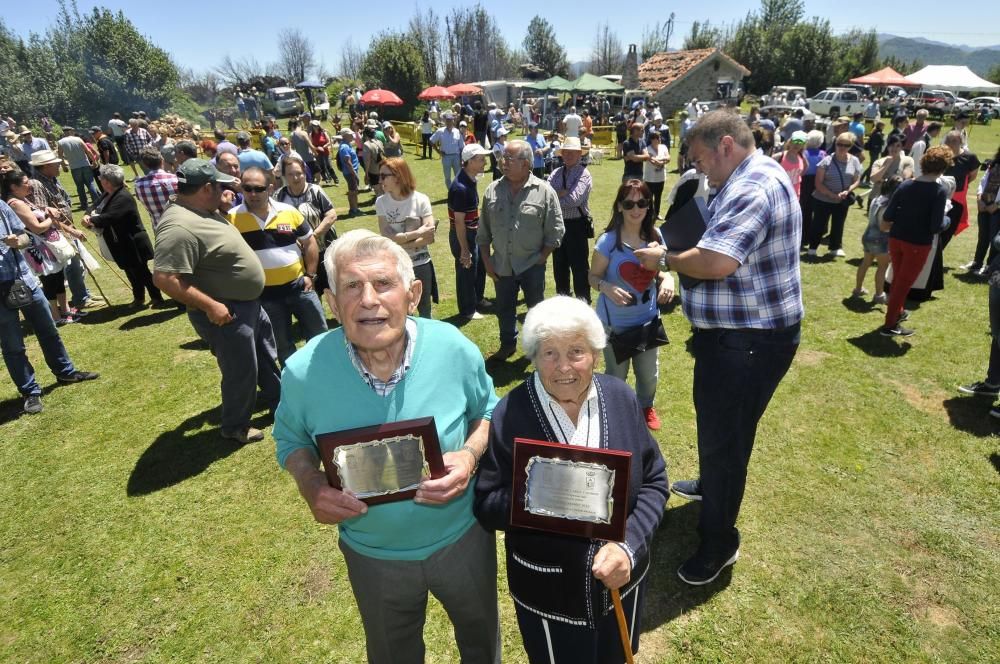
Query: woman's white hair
{"type": "Point", "coordinates": [561, 317]}
{"type": "Point", "coordinates": [361, 243]}
{"type": "Point", "coordinates": [814, 139]}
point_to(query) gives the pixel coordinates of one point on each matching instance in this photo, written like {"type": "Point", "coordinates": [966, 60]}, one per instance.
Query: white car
{"type": "Point", "coordinates": [990, 104]}
{"type": "Point", "coordinates": [837, 101]}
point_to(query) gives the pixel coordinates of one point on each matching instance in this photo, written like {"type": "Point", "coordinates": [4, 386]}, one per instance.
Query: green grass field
{"type": "Point", "coordinates": [132, 533]}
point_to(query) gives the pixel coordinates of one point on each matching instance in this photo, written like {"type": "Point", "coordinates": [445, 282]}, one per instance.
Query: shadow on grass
{"type": "Point", "coordinates": [857, 304]}
{"type": "Point", "coordinates": [971, 415]}
{"type": "Point", "coordinates": [106, 314]}
{"type": "Point", "coordinates": [194, 344]}
{"type": "Point", "coordinates": [995, 460]}
{"type": "Point", "coordinates": [183, 453]}
{"type": "Point", "coordinates": [853, 261]}
{"type": "Point", "coordinates": [876, 345]}
{"type": "Point", "coordinates": [151, 319]}
{"type": "Point", "coordinates": [969, 278]}
{"type": "Point", "coordinates": [508, 372]}
{"type": "Point", "coordinates": [667, 597]}
{"type": "Point", "coordinates": [11, 409]}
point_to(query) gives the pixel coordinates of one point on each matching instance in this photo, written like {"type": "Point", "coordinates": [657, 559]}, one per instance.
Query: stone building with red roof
{"type": "Point", "coordinates": [673, 78]}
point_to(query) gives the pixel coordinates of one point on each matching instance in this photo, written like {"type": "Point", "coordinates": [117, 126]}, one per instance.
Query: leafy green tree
{"type": "Point", "coordinates": [543, 50]}
{"type": "Point", "coordinates": [703, 35]}
{"type": "Point", "coordinates": [993, 75]}
{"type": "Point", "coordinates": [393, 62]}
{"type": "Point", "coordinates": [857, 54]}
{"type": "Point", "coordinates": [104, 64]}
{"type": "Point", "coordinates": [813, 45]}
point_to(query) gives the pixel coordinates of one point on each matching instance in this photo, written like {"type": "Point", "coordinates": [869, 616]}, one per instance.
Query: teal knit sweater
{"type": "Point", "coordinates": [321, 391]}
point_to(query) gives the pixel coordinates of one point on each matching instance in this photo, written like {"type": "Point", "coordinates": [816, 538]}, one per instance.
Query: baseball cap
{"type": "Point", "coordinates": [243, 136]}
{"type": "Point", "coordinates": [502, 131]}
{"type": "Point", "coordinates": [94, 128]}
{"type": "Point", "coordinates": [347, 133]}
{"type": "Point", "coordinates": [473, 150]}
{"type": "Point", "coordinates": [799, 137]}
{"type": "Point", "coordinates": [200, 172]}
{"type": "Point", "coordinates": [463, 123]}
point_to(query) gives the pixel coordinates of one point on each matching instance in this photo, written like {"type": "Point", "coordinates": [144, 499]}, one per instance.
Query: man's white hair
{"type": "Point", "coordinates": [561, 317]}
{"type": "Point", "coordinates": [362, 243]}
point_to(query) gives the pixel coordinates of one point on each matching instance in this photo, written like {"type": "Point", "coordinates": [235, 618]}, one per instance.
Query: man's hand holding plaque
{"type": "Point", "coordinates": [386, 463]}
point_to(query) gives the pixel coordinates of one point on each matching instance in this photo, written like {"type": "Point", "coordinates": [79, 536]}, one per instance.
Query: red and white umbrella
{"type": "Point", "coordinates": [381, 98]}
{"type": "Point", "coordinates": [436, 92]}
{"type": "Point", "coordinates": [465, 89]}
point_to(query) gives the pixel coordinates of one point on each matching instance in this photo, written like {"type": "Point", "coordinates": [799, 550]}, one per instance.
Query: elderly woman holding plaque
{"type": "Point", "coordinates": [386, 400]}
{"type": "Point", "coordinates": [562, 583]}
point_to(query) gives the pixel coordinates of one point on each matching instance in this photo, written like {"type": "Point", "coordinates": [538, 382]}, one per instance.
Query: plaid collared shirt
{"type": "Point", "coordinates": [755, 219]}
{"type": "Point", "coordinates": [136, 141]}
{"type": "Point", "coordinates": [155, 190]}
{"type": "Point", "coordinates": [384, 387]}
{"type": "Point", "coordinates": [48, 192]}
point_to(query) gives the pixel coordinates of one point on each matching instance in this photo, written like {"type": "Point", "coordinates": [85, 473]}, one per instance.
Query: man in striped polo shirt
{"type": "Point", "coordinates": [283, 241]}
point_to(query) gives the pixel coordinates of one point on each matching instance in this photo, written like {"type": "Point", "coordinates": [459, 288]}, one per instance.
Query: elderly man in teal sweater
{"type": "Point", "coordinates": [383, 366]}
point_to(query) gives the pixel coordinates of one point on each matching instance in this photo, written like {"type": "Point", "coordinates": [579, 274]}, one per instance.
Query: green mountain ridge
{"type": "Point", "coordinates": [978, 60]}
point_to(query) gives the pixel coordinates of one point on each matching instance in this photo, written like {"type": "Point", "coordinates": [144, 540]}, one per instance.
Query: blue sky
{"type": "Point", "coordinates": [185, 30]}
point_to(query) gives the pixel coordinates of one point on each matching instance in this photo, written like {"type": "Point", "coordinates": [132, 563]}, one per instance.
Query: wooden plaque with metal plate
{"type": "Point", "coordinates": [570, 490]}
{"type": "Point", "coordinates": [382, 463]}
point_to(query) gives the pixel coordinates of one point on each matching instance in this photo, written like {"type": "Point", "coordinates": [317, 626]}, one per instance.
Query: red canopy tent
{"type": "Point", "coordinates": [885, 77]}
{"type": "Point", "coordinates": [463, 89]}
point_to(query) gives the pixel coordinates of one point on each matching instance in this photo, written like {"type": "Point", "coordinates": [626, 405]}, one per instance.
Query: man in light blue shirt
{"type": "Point", "coordinates": [539, 148]}
{"type": "Point", "coordinates": [448, 143]}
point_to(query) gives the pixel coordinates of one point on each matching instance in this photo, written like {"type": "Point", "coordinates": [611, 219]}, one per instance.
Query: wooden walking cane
{"type": "Point", "coordinates": [616, 597]}
{"type": "Point", "coordinates": [90, 272]}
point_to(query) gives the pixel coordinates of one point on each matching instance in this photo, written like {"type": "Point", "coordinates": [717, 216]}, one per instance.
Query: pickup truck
{"type": "Point", "coordinates": [837, 101]}
{"type": "Point", "coordinates": [936, 102]}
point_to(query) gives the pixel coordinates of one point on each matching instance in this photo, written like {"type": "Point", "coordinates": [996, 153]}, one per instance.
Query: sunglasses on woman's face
{"type": "Point", "coordinates": [843, 145]}
{"type": "Point", "coordinates": [642, 204]}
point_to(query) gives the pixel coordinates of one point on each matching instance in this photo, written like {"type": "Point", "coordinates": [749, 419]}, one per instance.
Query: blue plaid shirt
{"type": "Point", "coordinates": [756, 220]}
{"type": "Point", "coordinates": [384, 387]}
{"type": "Point", "coordinates": [12, 265]}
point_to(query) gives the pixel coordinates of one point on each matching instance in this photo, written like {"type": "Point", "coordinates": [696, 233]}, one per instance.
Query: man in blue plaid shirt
{"type": "Point", "coordinates": [746, 311]}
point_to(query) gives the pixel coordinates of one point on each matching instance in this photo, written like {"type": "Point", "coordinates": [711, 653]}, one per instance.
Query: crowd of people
{"type": "Point", "coordinates": [245, 240]}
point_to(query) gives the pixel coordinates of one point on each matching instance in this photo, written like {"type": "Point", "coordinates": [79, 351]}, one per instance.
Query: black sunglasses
{"type": "Point", "coordinates": [249, 188]}
{"type": "Point", "coordinates": [642, 204]}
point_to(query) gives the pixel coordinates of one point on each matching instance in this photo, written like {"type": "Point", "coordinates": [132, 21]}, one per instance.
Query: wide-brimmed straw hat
{"type": "Point", "coordinates": [43, 157]}
{"type": "Point", "coordinates": [572, 143]}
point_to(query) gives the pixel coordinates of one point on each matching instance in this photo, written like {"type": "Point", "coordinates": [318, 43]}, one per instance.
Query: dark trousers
{"type": "Point", "coordinates": [907, 262]}
{"type": "Point", "coordinates": [140, 279]}
{"type": "Point", "coordinates": [656, 188]}
{"type": "Point", "coordinates": [392, 599]}
{"type": "Point", "coordinates": [572, 256]}
{"type": "Point", "coordinates": [872, 157]}
{"type": "Point", "coordinates": [735, 374]}
{"type": "Point", "coordinates": [425, 146]}
{"type": "Point", "coordinates": [993, 372]}
{"type": "Point", "coordinates": [805, 202]}
{"type": "Point", "coordinates": [470, 283]}
{"type": "Point", "coordinates": [326, 169]}
{"type": "Point", "coordinates": [532, 282]}
{"type": "Point", "coordinates": [989, 226]}
{"type": "Point", "coordinates": [551, 641]}
{"type": "Point", "coordinates": [825, 213]}
{"type": "Point", "coordinates": [245, 352]}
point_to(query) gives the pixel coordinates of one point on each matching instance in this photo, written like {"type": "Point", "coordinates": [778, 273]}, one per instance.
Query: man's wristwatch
{"type": "Point", "coordinates": [664, 265]}
{"type": "Point", "coordinates": [311, 276]}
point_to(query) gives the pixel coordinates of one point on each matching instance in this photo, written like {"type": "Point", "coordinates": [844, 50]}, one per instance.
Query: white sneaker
{"type": "Point", "coordinates": [839, 253]}
{"type": "Point", "coordinates": [475, 316]}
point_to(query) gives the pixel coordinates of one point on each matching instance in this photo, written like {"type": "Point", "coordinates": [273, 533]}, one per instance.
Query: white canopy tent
{"type": "Point", "coordinates": [955, 78]}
